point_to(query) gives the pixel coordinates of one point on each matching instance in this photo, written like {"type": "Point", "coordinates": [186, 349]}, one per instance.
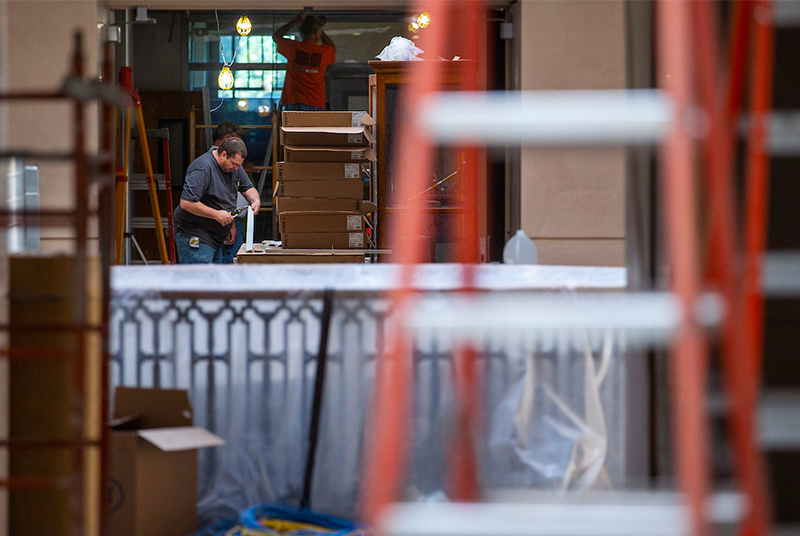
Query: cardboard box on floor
{"type": "Point", "coordinates": [286, 204]}
{"type": "Point", "coordinates": [340, 188]}
{"type": "Point", "coordinates": [313, 171]}
{"type": "Point", "coordinates": [337, 136]}
{"type": "Point", "coordinates": [310, 153]}
{"type": "Point", "coordinates": [153, 463]}
{"type": "Point", "coordinates": [326, 119]}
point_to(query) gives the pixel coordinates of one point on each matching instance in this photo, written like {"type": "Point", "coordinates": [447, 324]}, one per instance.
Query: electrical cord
{"type": "Point", "coordinates": [222, 53]}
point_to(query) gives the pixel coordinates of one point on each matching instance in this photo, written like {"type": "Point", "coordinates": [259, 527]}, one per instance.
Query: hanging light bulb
{"type": "Point", "coordinates": [242, 105]}
{"type": "Point", "coordinates": [413, 27]}
{"type": "Point", "coordinates": [225, 78]}
{"type": "Point", "coordinates": [243, 25]}
{"type": "Point", "coordinates": [424, 19]}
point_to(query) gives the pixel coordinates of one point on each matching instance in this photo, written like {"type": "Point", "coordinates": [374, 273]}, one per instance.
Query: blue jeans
{"type": "Point", "coordinates": [297, 107]}
{"type": "Point", "coordinates": [204, 254]}
{"type": "Point", "coordinates": [229, 252]}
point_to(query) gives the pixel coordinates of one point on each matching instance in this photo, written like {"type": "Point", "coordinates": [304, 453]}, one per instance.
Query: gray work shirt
{"type": "Point", "coordinates": [208, 184]}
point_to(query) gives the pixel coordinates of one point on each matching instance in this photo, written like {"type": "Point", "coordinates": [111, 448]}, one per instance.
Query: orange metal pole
{"type": "Point", "coordinates": [718, 152]}
{"type": "Point", "coordinates": [689, 356]}
{"type": "Point", "coordinates": [747, 376]}
{"type": "Point", "coordinates": [151, 181]}
{"type": "Point", "coordinates": [386, 448]}
{"type": "Point", "coordinates": [464, 459]}
{"type": "Point", "coordinates": [123, 148]}
{"type": "Point", "coordinates": [106, 256]}
{"type": "Point", "coordinates": [80, 279]}
{"type": "Point", "coordinates": [757, 194]}
{"type": "Point", "coordinates": [726, 118]}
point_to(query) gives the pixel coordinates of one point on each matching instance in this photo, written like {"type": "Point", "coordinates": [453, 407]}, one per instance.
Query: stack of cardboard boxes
{"type": "Point", "coordinates": [320, 188]}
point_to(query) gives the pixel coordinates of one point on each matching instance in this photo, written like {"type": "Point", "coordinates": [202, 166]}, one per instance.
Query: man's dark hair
{"type": "Point", "coordinates": [312, 23]}
{"type": "Point", "coordinates": [228, 127]}
{"type": "Point", "coordinates": [233, 146]}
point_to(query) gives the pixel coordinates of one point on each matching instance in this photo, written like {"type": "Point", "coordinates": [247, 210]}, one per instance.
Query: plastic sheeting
{"type": "Point", "coordinates": [553, 419]}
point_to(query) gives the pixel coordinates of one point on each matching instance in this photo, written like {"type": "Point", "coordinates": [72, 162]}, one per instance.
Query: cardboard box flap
{"type": "Point", "coordinates": [368, 154]}
{"type": "Point", "coordinates": [124, 422]}
{"type": "Point", "coordinates": [367, 120]}
{"type": "Point", "coordinates": [181, 438]}
{"type": "Point", "coordinates": [152, 408]}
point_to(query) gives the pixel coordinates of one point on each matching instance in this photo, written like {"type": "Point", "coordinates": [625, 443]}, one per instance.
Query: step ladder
{"type": "Point", "coordinates": [138, 183]}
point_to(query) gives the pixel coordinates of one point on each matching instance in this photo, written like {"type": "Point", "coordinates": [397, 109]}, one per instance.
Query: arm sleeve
{"type": "Point", "coordinates": [328, 55]}
{"type": "Point", "coordinates": [195, 185]}
{"type": "Point", "coordinates": [244, 181]}
{"type": "Point", "coordinates": [285, 47]}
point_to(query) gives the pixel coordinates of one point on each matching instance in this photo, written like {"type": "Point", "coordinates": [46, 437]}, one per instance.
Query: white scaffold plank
{"type": "Point", "coordinates": [453, 519]}
{"type": "Point", "coordinates": [781, 276]}
{"type": "Point", "coordinates": [779, 420]}
{"type": "Point", "coordinates": [585, 117]}
{"type": "Point", "coordinates": [647, 318]}
{"type": "Point", "coordinates": [624, 513]}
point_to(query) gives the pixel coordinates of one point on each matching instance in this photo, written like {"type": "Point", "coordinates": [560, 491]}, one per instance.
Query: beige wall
{"type": "Point", "coordinates": [39, 43]}
{"type": "Point", "coordinates": [572, 201]}
{"type": "Point", "coordinates": [35, 54]}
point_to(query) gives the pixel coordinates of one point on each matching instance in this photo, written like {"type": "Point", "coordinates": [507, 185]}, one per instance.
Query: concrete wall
{"type": "Point", "coordinates": [572, 201]}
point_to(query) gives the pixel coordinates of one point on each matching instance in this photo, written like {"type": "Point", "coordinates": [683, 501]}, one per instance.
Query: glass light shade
{"type": "Point", "coordinates": [413, 26]}
{"type": "Point", "coordinates": [243, 25]}
{"type": "Point", "coordinates": [424, 19]}
{"type": "Point", "coordinates": [225, 78]}
{"type": "Point", "coordinates": [242, 104]}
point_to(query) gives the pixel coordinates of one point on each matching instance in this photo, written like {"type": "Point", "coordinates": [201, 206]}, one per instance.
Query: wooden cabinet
{"type": "Point", "coordinates": [443, 193]}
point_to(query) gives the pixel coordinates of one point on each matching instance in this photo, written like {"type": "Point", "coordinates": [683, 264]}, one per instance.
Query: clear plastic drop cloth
{"type": "Point", "coordinates": [552, 413]}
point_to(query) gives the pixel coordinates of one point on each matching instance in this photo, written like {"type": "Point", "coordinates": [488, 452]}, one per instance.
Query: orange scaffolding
{"type": "Point", "coordinates": [689, 73]}
{"type": "Point", "coordinates": [89, 170]}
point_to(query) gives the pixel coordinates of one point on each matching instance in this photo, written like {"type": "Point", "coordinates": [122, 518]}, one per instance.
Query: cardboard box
{"type": "Point", "coordinates": [326, 119]}
{"type": "Point", "coordinates": [285, 204]}
{"type": "Point", "coordinates": [303, 153]}
{"type": "Point", "coordinates": [337, 136]}
{"type": "Point", "coordinates": [322, 222]}
{"type": "Point", "coordinates": [153, 463]}
{"type": "Point", "coordinates": [262, 255]}
{"type": "Point", "coordinates": [305, 171]}
{"type": "Point", "coordinates": [346, 240]}
{"type": "Point", "coordinates": [344, 188]}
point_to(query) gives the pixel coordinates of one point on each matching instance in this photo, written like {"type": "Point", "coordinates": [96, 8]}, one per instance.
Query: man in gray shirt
{"type": "Point", "coordinates": [203, 217]}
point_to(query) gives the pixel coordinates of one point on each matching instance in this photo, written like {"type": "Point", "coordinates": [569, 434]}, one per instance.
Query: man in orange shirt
{"type": "Point", "coordinates": [304, 89]}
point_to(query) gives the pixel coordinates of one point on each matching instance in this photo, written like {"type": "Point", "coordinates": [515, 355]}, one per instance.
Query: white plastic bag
{"type": "Point", "coordinates": [400, 49]}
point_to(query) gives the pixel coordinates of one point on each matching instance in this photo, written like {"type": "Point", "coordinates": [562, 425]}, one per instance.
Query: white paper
{"type": "Point", "coordinates": [356, 240]}
{"type": "Point", "coordinates": [354, 222]}
{"type": "Point", "coordinates": [249, 240]}
{"type": "Point", "coordinates": [356, 118]}
{"type": "Point", "coordinates": [352, 171]}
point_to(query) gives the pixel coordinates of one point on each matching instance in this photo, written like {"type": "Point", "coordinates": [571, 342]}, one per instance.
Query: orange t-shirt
{"type": "Point", "coordinates": [305, 72]}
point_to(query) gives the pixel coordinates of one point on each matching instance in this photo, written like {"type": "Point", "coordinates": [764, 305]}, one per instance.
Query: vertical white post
{"type": "Point", "coordinates": [249, 231]}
